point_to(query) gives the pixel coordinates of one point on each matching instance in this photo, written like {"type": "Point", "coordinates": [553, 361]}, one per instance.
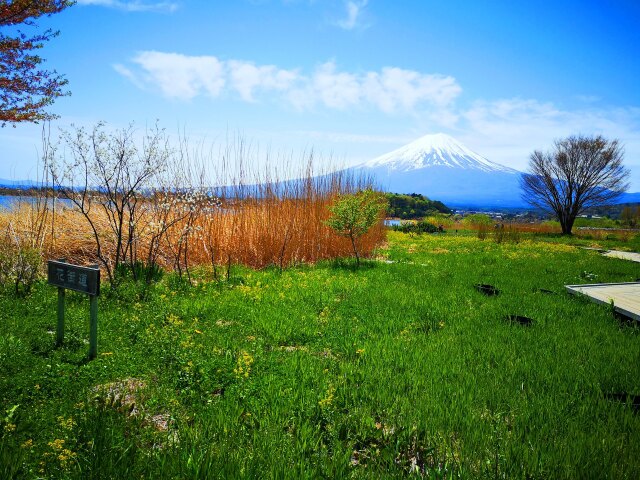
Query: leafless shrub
{"type": "Point", "coordinates": [108, 174]}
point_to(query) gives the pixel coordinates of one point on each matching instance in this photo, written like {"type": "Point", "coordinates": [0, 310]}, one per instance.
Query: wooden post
{"type": "Point", "coordinates": [80, 279]}
{"type": "Point", "coordinates": [93, 327]}
{"type": "Point", "coordinates": [60, 329]}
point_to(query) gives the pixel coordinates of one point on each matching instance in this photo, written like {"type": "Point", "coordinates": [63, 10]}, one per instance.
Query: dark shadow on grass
{"type": "Point", "coordinates": [625, 321]}
{"type": "Point", "coordinates": [349, 264]}
{"type": "Point", "coordinates": [545, 291]}
{"type": "Point", "coordinates": [518, 319]}
{"type": "Point", "coordinates": [76, 360]}
{"type": "Point", "coordinates": [626, 398]}
{"type": "Point", "coordinates": [43, 347]}
{"type": "Point", "coordinates": [486, 289]}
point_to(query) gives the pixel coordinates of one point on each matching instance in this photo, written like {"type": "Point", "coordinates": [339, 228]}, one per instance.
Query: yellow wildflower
{"type": "Point", "coordinates": [66, 423]}
{"type": "Point", "coordinates": [326, 401]}
{"type": "Point", "coordinates": [243, 365]}
{"type": "Point", "coordinates": [57, 444]}
{"type": "Point", "coordinates": [64, 456]}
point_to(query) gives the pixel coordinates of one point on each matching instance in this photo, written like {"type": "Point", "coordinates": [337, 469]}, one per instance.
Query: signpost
{"type": "Point", "coordinates": [81, 279]}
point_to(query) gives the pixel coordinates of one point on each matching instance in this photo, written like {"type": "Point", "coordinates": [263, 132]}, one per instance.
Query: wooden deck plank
{"type": "Point", "coordinates": [625, 296]}
{"type": "Point", "coordinates": [631, 256]}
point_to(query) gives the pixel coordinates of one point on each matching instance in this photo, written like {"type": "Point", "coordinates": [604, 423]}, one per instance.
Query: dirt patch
{"type": "Point", "coordinates": [125, 395]}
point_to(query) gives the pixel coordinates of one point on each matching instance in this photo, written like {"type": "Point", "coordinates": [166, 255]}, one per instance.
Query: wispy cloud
{"type": "Point", "coordinates": [354, 11]}
{"type": "Point", "coordinates": [134, 5]}
{"type": "Point", "coordinates": [508, 130]}
{"type": "Point", "coordinates": [128, 74]}
{"type": "Point", "coordinates": [390, 90]}
{"type": "Point", "coordinates": [178, 76]}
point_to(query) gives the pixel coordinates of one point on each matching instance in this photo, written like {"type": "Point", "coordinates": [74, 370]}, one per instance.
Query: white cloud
{"type": "Point", "coordinates": [395, 88]}
{"type": "Point", "coordinates": [180, 76]}
{"type": "Point", "coordinates": [335, 89]}
{"type": "Point", "coordinates": [128, 74]}
{"type": "Point", "coordinates": [508, 130]}
{"type": "Point", "coordinates": [246, 77]}
{"type": "Point", "coordinates": [354, 12]}
{"type": "Point", "coordinates": [390, 90]}
{"type": "Point", "coordinates": [133, 5]}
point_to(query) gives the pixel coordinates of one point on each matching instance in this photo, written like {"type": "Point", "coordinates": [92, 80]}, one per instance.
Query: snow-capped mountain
{"type": "Point", "coordinates": [442, 168]}
{"type": "Point", "coordinates": [437, 150]}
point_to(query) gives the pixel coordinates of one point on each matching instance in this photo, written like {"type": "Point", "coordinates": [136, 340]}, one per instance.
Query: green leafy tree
{"type": "Point", "coordinates": [353, 215]}
{"type": "Point", "coordinates": [414, 206]}
{"type": "Point", "coordinates": [26, 89]}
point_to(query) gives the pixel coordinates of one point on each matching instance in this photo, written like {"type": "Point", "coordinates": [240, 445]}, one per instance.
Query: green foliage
{"type": "Point", "coordinates": [139, 271]}
{"type": "Point", "coordinates": [355, 214]}
{"type": "Point", "coordinates": [19, 267]}
{"type": "Point", "coordinates": [597, 223]}
{"type": "Point", "coordinates": [352, 215]}
{"type": "Point", "coordinates": [477, 219]}
{"type": "Point", "coordinates": [416, 228]}
{"type": "Point", "coordinates": [390, 371]}
{"type": "Point", "coordinates": [414, 206]}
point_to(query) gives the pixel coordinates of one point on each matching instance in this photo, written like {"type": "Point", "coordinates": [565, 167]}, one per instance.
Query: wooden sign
{"type": "Point", "coordinates": [74, 277]}
{"type": "Point", "coordinates": [81, 279]}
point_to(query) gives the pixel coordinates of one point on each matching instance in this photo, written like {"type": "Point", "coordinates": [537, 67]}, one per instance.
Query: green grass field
{"type": "Point", "coordinates": [392, 370]}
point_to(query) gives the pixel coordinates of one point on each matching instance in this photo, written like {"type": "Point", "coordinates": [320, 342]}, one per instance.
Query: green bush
{"type": "Point", "coordinates": [477, 219]}
{"type": "Point", "coordinates": [19, 266]}
{"type": "Point", "coordinates": [353, 215]}
{"type": "Point", "coordinates": [417, 228]}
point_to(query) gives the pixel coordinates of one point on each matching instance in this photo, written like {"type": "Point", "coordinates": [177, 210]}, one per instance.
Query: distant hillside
{"type": "Point", "coordinates": [414, 206]}
{"type": "Point", "coordinates": [629, 198]}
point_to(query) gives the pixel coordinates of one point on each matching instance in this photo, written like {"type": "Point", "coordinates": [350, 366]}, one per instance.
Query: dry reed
{"type": "Point", "coordinates": [276, 222]}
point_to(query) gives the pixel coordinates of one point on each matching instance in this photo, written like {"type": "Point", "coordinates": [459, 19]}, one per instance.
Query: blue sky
{"type": "Point", "coordinates": [351, 79]}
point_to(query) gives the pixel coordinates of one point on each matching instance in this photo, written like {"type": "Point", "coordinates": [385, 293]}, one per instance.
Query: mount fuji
{"type": "Point", "coordinates": [442, 168]}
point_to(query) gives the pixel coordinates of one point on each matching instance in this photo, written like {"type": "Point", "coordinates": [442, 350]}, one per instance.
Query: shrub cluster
{"type": "Point", "coordinates": [19, 267]}
{"type": "Point", "coordinates": [500, 233]}
{"type": "Point", "coordinates": [414, 206]}
{"type": "Point", "coordinates": [416, 228]}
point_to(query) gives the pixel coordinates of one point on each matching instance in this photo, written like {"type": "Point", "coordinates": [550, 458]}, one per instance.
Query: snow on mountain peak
{"type": "Point", "coordinates": [437, 150]}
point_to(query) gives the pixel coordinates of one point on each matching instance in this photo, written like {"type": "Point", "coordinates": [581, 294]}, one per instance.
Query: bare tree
{"type": "Point", "coordinates": [106, 178]}
{"type": "Point", "coordinates": [580, 172]}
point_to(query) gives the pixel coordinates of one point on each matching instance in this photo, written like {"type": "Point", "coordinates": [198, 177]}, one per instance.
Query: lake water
{"type": "Point", "coordinates": [7, 202]}
{"type": "Point", "coordinates": [391, 222]}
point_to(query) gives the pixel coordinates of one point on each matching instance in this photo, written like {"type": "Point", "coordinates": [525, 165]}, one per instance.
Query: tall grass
{"type": "Point", "coordinates": [401, 369]}
{"type": "Point", "coordinates": [206, 211]}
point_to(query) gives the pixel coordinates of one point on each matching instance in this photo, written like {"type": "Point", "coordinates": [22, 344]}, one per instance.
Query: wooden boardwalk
{"type": "Point", "coordinates": [625, 296]}
{"type": "Point", "coordinates": [632, 256]}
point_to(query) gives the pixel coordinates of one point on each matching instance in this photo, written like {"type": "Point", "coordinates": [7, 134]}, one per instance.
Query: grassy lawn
{"type": "Point", "coordinates": [392, 370]}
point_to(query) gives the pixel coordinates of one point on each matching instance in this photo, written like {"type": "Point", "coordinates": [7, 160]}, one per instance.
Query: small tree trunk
{"type": "Point", "coordinates": [355, 250]}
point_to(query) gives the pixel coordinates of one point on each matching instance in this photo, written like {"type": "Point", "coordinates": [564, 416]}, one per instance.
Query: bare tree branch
{"type": "Point", "coordinates": [579, 173]}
